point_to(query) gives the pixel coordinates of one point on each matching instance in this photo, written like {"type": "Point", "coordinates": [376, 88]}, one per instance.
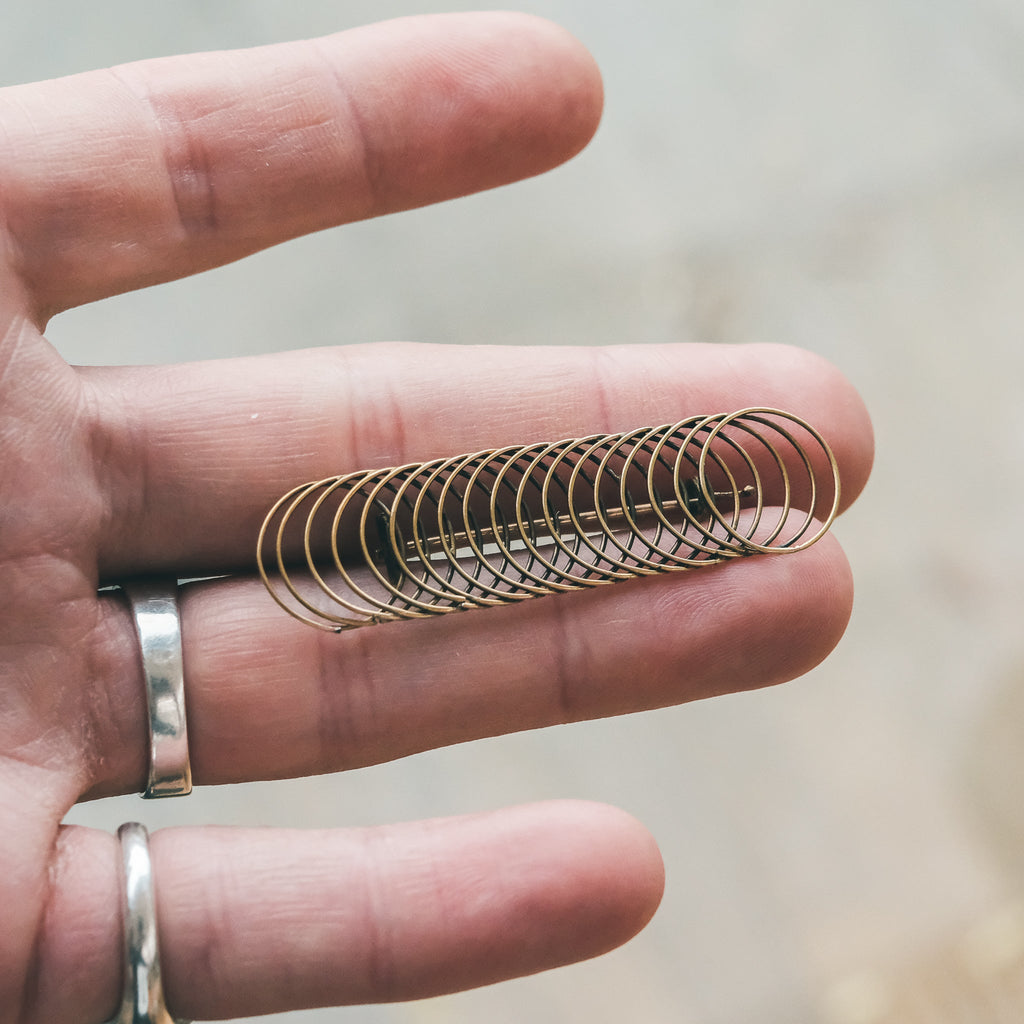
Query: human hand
{"type": "Point", "coordinates": [117, 180]}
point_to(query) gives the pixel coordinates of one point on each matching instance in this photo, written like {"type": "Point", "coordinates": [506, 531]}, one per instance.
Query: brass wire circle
{"type": "Point", "coordinates": [507, 524]}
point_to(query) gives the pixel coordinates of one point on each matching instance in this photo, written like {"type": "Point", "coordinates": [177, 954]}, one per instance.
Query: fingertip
{"type": "Point", "coordinates": [792, 617]}
{"type": "Point", "coordinates": [825, 396]}
{"type": "Point", "coordinates": [520, 79]}
{"type": "Point", "coordinates": [577, 880]}
{"type": "Point", "coordinates": [815, 618]}
{"type": "Point", "coordinates": [580, 81]}
{"type": "Point", "coordinates": [818, 616]}
{"type": "Point", "coordinates": [625, 872]}
{"type": "Point", "coordinates": [851, 433]}
{"type": "Point", "coordinates": [752, 623]}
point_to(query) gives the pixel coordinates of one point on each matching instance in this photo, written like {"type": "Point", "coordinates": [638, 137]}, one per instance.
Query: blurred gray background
{"type": "Point", "coordinates": [846, 176]}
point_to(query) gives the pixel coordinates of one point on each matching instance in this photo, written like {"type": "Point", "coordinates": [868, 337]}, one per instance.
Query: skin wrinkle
{"type": "Point", "coordinates": [395, 415]}
{"type": "Point", "coordinates": [65, 774]}
{"type": "Point", "coordinates": [448, 913]}
{"type": "Point", "coordinates": [219, 939]}
{"type": "Point", "coordinates": [94, 707]}
{"type": "Point", "coordinates": [420, 875]}
{"type": "Point", "coordinates": [143, 98]}
{"type": "Point", "coordinates": [377, 433]}
{"type": "Point", "coordinates": [359, 731]}
{"type": "Point", "coordinates": [601, 358]}
{"type": "Point", "coordinates": [372, 166]}
{"type": "Point", "coordinates": [14, 263]}
{"type": "Point", "coordinates": [380, 965]}
{"type": "Point", "coordinates": [33, 992]}
{"type": "Point", "coordinates": [565, 657]}
{"type": "Point", "coordinates": [117, 721]}
{"type": "Point", "coordinates": [336, 720]}
{"type": "Point", "coordinates": [133, 446]}
{"type": "Point", "coordinates": [188, 174]}
{"type": "Point", "coordinates": [210, 936]}
{"type": "Point", "coordinates": [32, 971]}
{"type": "Point", "coordinates": [17, 435]}
{"type": "Point", "coordinates": [192, 183]}
{"type": "Point", "coordinates": [10, 342]}
{"type": "Point", "coordinates": [75, 520]}
{"type": "Point", "coordinates": [351, 406]}
{"type": "Point", "coordinates": [98, 442]}
{"type": "Point", "coordinates": [16, 329]}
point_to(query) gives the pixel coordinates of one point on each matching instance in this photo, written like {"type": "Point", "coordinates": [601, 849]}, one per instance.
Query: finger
{"type": "Point", "coordinates": [117, 179]}
{"type": "Point", "coordinates": [193, 456]}
{"type": "Point", "coordinates": [258, 921]}
{"type": "Point", "coordinates": [269, 697]}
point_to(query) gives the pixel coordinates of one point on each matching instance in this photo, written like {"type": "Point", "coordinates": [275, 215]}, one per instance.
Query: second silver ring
{"type": "Point", "coordinates": [158, 627]}
{"type": "Point", "coordinates": [142, 994]}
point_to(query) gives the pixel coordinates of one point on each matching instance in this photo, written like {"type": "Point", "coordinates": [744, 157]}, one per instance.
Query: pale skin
{"type": "Point", "coordinates": [120, 179]}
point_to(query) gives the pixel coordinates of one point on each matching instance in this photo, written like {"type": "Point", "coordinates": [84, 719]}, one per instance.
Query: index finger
{"type": "Point", "coordinates": [118, 179]}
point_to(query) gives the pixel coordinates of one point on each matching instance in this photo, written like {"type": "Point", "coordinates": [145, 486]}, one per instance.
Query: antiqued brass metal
{"type": "Point", "coordinates": [508, 524]}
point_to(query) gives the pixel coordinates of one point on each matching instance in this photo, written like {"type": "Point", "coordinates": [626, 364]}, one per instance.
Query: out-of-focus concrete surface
{"type": "Point", "coordinates": [848, 177]}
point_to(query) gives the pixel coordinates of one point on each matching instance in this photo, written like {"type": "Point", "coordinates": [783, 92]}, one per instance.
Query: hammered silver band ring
{"type": "Point", "coordinates": [158, 626]}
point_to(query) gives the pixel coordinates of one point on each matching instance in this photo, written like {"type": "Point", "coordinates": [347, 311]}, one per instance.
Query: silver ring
{"type": "Point", "coordinates": [143, 998]}
{"type": "Point", "coordinates": [158, 625]}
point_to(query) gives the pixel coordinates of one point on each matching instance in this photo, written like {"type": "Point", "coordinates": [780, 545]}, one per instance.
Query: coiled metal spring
{"type": "Point", "coordinates": [508, 524]}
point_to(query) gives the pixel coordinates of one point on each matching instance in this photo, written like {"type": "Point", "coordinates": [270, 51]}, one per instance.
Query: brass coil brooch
{"type": "Point", "coordinates": [512, 523]}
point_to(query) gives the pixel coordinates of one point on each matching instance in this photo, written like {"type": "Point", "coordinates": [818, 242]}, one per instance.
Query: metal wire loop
{"type": "Point", "coordinates": [508, 524]}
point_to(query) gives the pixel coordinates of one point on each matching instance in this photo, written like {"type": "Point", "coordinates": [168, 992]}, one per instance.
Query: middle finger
{"type": "Point", "coordinates": [195, 455]}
